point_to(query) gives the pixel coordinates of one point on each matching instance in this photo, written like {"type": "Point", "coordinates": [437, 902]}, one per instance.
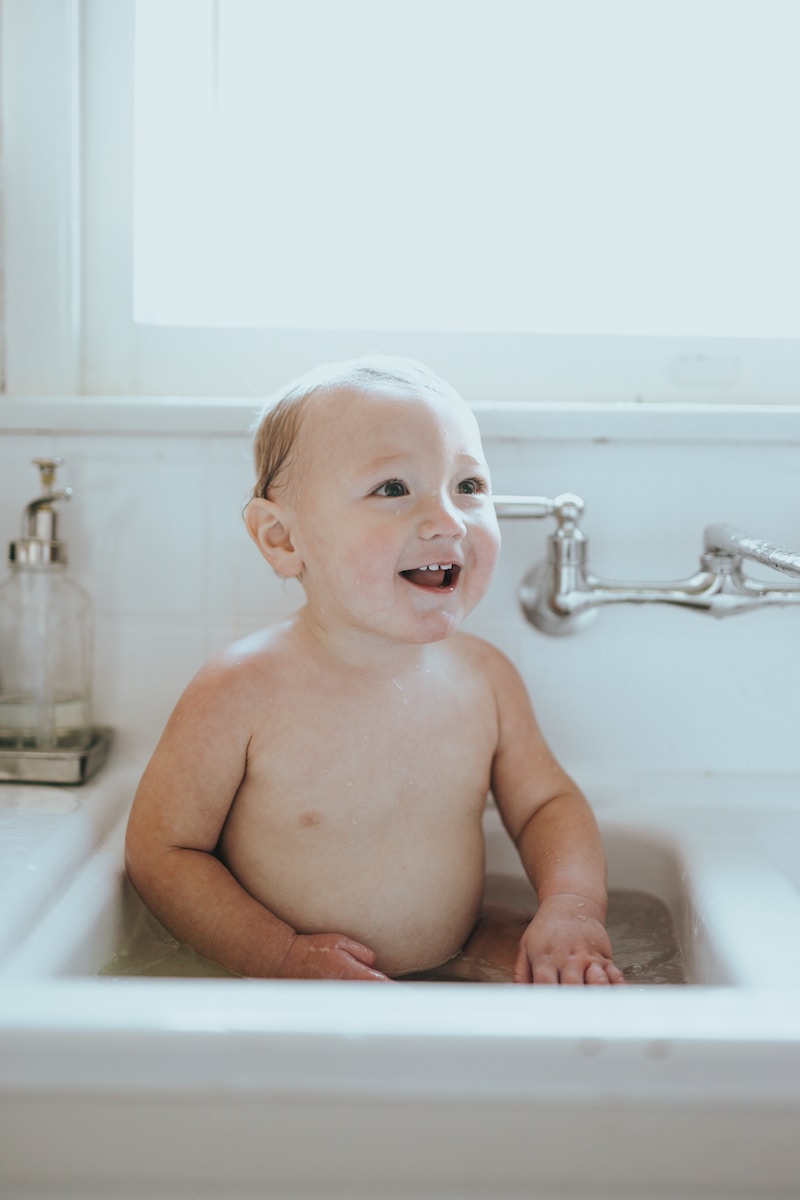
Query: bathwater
{"type": "Point", "coordinates": [640, 926]}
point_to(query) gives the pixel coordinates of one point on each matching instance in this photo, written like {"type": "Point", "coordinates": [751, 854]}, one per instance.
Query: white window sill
{"type": "Point", "coordinates": [534, 421]}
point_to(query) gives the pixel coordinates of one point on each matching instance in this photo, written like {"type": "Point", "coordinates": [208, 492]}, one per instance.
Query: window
{"type": "Point", "coordinates": [589, 199]}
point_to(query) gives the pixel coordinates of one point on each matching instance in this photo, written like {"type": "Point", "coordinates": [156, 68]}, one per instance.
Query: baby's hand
{"type": "Point", "coordinates": [328, 956]}
{"type": "Point", "coordinates": [566, 942]}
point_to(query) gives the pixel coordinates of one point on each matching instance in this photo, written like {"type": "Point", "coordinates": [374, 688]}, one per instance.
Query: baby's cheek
{"type": "Point", "coordinates": [488, 552]}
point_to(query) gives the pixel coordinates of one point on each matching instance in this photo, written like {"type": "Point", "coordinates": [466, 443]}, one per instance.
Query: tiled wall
{"type": "Point", "coordinates": [156, 537]}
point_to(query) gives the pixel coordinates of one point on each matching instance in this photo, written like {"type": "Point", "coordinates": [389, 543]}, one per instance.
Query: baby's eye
{"type": "Point", "coordinates": [473, 487]}
{"type": "Point", "coordinates": [391, 488]}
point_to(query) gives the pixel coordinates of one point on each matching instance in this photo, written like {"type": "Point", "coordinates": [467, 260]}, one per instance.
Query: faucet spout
{"type": "Point", "coordinates": [730, 541]}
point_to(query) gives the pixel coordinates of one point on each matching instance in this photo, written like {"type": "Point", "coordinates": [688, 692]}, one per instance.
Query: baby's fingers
{"type": "Point", "coordinates": [614, 974]}
{"type": "Point", "coordinates": [329, 956]}
{"type": "Point", "coordinates": [523, 971]}
{"type": "Point", "coordinates": [356, 949]}
{"type": "Point", "coordinates": [603, 974]}
{"type": "Point", "coordinates": [546, 969]}
{"type": "Point", "coordinates": [362, 959]}
{"type": "Point", "coordinates": [542, 970]}
{"type": "Point", "coordinates": [596, 974]}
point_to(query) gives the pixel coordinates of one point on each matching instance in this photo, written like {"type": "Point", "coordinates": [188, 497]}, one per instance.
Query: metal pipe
{"type": "Point", "coordinates": [560, 595]}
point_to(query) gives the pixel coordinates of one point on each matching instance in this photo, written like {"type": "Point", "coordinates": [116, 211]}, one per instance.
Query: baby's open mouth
{"type": "Point", "coordinates": [441, 576]}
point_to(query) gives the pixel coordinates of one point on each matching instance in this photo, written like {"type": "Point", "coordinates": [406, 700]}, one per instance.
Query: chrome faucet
{"type": "Point", "coordinates": [561, 595]}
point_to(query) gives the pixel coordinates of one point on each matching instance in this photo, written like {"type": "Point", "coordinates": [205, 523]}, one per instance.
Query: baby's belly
{"type": "Point", "coordinates": [414, 906]}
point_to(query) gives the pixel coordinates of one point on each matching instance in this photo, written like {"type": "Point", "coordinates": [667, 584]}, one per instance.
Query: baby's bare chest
{"type": "Point", "coordinates": [400, 761]}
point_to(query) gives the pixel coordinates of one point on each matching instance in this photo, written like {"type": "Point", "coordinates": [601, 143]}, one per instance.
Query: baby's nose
{"type": "Point", "coordinates": [441, 518]}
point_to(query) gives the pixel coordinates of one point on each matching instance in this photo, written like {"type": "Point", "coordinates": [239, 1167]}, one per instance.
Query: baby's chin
{"type": "Point", "coordinates": [433, 622]}
{"type": "Point", "coordinates": [437, 628]}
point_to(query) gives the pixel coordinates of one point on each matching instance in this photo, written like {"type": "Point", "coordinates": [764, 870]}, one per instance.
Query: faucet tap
{"type": "Point", "coordinates": [562, 595]}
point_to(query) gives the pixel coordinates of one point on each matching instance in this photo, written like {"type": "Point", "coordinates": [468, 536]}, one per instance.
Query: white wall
{"type": "Point", "coordinates": [156, 536]}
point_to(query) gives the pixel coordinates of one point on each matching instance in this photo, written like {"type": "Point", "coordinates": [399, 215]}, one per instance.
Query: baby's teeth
{"type": "Point", "coordinates": [437, 567]}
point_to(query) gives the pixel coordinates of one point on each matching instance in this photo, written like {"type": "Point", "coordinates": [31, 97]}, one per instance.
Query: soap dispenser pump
{"type": "Point", "coordinates": [45, 635]}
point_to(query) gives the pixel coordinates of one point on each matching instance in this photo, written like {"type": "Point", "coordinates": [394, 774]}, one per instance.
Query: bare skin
{"type": "Point", "coordinates": [314, 807]}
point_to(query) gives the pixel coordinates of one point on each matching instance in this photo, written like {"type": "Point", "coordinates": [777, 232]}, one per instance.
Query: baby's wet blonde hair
{"type": "Point", "coordinates": [277, 427]}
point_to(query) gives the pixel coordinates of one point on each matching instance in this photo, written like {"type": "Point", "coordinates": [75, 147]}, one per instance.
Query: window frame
{"type": "Point", "coordinates": [41, 195]}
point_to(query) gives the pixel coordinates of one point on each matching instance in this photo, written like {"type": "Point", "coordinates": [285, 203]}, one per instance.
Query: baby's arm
{"type": "Point", "coordinates": [559, 844]}
{"type": "Point", "coordinates": [174, 826]}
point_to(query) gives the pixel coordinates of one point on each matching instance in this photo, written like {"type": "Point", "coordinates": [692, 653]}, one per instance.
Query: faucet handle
{"type": "Point", "coordinates": [566, 503]}
{"type": "Point", "coordinates": [517, 507]}
{"type": "Point", "coordinates": [566, 508]}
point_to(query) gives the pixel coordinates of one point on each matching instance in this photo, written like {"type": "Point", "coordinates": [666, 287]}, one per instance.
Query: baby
{"type": "Point", "coordinates": [314, 807]}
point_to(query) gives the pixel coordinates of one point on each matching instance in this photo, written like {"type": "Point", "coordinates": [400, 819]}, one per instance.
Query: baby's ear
{"type": "Point", "coordinates": [267, 524]}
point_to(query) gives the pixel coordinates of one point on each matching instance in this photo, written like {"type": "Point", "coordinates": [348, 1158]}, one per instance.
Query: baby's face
{"type": "Point", "coordinates": [392, 514]}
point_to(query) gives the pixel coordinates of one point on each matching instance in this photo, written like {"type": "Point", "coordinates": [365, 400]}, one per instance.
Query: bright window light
{"type": "Point", "coordinates": [572, 167]}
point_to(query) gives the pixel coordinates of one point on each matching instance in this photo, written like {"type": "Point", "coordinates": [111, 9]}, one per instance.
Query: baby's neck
{"type": "Point", "coordinates": [362, 654]}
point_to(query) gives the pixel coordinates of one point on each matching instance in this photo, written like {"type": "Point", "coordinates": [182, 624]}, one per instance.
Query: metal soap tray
{"type": "Point", "coordinates": [57, 766]}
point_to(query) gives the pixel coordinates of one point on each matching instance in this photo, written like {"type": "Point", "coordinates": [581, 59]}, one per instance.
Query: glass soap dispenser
{"type": "Point", "coordinates": [45, 635]}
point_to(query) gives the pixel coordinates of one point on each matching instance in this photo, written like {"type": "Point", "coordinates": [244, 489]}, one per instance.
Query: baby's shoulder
{"type": "Point", "coordinates": [498, 675]}
{"type": "Point", "coordinates": [481, 656]}
{"type": "Point", "coordinates": [240, 668]}
{"type": "Point", "coordinates": [260, 649]}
